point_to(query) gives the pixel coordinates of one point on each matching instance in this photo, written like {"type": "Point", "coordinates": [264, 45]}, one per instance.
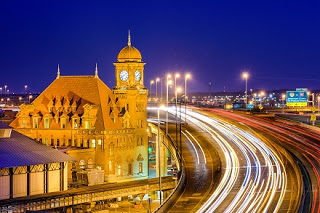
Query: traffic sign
{"type": "Point", "coordinates": [297, 98]}
{"type": "Point", "coordinates": [249, 106]}
{"type": "Point", "coordinates": [313, 117]}
{"type": "Point", "coordinates": [260, 107]}
{"type": "Point", "coordinates": [313, 109]}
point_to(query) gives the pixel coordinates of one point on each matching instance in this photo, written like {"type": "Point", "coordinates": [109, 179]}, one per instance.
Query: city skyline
{"type": "Point", "coordinates": [215, 42]}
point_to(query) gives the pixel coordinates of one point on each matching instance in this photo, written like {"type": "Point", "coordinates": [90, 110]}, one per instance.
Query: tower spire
{"type": "Point", "coordinates": [96, 72]}
{"type": "Point", "coordinates": [58, 72]}
{"type": "Point", "coordinates": [129, 38]}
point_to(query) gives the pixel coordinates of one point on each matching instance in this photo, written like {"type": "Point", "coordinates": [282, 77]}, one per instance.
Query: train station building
{"type": "Point", "coordinates": [103, 129]}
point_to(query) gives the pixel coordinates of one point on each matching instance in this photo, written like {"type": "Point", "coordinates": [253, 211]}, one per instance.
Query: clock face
{"type": "Point", "coordinates": [124, 75]}
{"type": "Point", "coordinates": [137, 75]}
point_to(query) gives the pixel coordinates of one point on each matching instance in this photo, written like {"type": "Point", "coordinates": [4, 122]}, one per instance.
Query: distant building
{"type": "Point", "coordinates": [107, 129]}
{"type": "Point", "coordinates": [29, 168]}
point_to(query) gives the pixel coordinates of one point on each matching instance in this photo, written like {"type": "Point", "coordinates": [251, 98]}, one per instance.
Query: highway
{"type": "Point", "coordinates": [301, 140]}
{"type": "Point", "coordinates": [253, 175]}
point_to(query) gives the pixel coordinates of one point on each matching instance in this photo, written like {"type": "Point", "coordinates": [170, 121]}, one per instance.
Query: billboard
{"type": "Point", "coordinates": [297, 98]}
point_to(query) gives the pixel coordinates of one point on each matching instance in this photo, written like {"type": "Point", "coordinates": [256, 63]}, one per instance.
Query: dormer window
{"type": "Point", "coordinates": [35, 123]}
{"type": "Point", "coordinates": [75, 123]}
{"type": "Point", "coordinates": [87, 124]}
{"type": "Point", "coordinates": [63, 123]}
{"type": "Point", "coordinates": [46, 123]}
{"type": "Point", "coordinates": [50, 109]}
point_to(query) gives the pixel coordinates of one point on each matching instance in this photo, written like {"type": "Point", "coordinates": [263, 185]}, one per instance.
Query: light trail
{"type": "Point", "coordinates": [295, 136]}
{"type": "Point", "coordinates": [204, 155]}
{"type": "Point", "coordinates": [198, 160]}
{"type": "Point", "coordinates": [265, 180]}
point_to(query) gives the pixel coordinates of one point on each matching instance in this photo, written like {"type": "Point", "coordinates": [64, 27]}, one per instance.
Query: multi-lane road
{"type": "Point", "coordinates": [233, 167]}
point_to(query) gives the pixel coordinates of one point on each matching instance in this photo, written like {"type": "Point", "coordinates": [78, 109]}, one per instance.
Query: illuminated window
{"type": "Point", "coordinates": [140, 167]}
{"type": "Point", "coordinates": [87, 125]}
{"type": "Point", "coordinates": [111, 146]}
{"type": "Point", "coordinates": [82, 164]}
{"type": "Point", "coordinates": [46, 141]}
{"type": "Point", "coordinates": [111, 172]}
{"type": "Point", "coordinates": [46, 123]}
{"type": "Point", "coordinates": [93, 141]}
{"type": "Point", "coordinates": [75, 124]}
{"type": "Point", "coordinates": [99, 142]}
{"type": "Point", "coordinates": [63, 123]}
{"type": "Point", "coordinates": [35, 123]}
{"type": "Point", "coordinates": [119, 169]}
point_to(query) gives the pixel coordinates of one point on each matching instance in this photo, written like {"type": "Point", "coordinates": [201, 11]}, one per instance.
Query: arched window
{"type": "Point", "coordinates": [111, 171]}
{"type": "Point", "coordinates": [119, 169]}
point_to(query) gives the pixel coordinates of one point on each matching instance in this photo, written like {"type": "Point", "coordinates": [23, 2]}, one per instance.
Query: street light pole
{"type": "Point", "coordinates": [245, 75]}
{"type": "Point", "coordinates": [157, 80]}
{"type": "Point", "coordinates": [5, 91]}
{"type": "Point", "coordinates": [169, 82]}
{"type": "Point", "coordinates": [151, 82]}
{"type": "Point", "coordinates": [176, 96]}
{"type": "Point", "coordinates": [161, 89]}
{"type": "Point", "coordinates": [159, 158]}
{"type": "Point", "coordinates": [283, 97]}
{"type": "Point", "coordinates": [185, 96]}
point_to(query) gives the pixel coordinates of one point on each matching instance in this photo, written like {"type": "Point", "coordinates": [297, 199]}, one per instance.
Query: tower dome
{"type": "Point", "coordinates": [129, 53]}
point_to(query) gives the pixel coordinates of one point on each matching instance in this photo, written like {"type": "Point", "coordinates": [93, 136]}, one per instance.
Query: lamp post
{"type": "Point", "coordinates": [186, 77]}
{"type": "Point", "coordinates": [157, 80]}
{"type": "Point", "coordinates": [169, 82]}
{"type": "Point", "coordinates": [176, 96]}
{"type": "Point", "coordinates": [261, 95]}
{"type": "Point", "coordinates": [283, 98]}
{"type": "Point", "coordinates": [30, 97]}
{"type": "Point", "coordinates": [245, 75]}
{"type": "Point", "coordinates": [159, 157]}
{"type": "Point", "coordinates": [255, 99]}
{"type": "Point", "coordinates": [25, 89]}
{"type": "Point", "coordinates": [5, 91]}
{"type": "Point", "coordinates": [151, 82]}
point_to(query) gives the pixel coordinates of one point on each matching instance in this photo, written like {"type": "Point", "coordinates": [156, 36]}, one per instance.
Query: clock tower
{"type": "Point", "coordinates": [130, 92]}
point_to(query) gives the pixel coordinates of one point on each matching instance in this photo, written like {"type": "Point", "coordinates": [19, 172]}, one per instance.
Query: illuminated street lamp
{"type": "Point", "coordinates": [283, 98]}
{"type": "Point", "coordinates": [25, 89]}
{"type": "Point", "coordinates": [176, 96]}
{"type": "Point", "coordinates": [151, 82]}
{"type": "Point", "coordinates": [186, 77]}
{"type": "Point", "coordinates": [159, 157]}
{"type": "Point", "coordinates": [157, 80]}
{"type": "Point", "coordinates": [30, 97]}
{"type": "Point", "coordinates": [245, 75]}
{"type": "Point", "coordinates": [169, 82]}
{"type": "Point", "coordinates": [262, 93]}
{"type": "Point", "coordinates": [175, 80]}
{"type": "Point", "coordinates": [20, 98]}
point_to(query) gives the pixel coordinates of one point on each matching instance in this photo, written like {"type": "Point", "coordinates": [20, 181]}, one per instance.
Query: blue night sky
{"type": "Point", "coordinates": [278, 42]}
